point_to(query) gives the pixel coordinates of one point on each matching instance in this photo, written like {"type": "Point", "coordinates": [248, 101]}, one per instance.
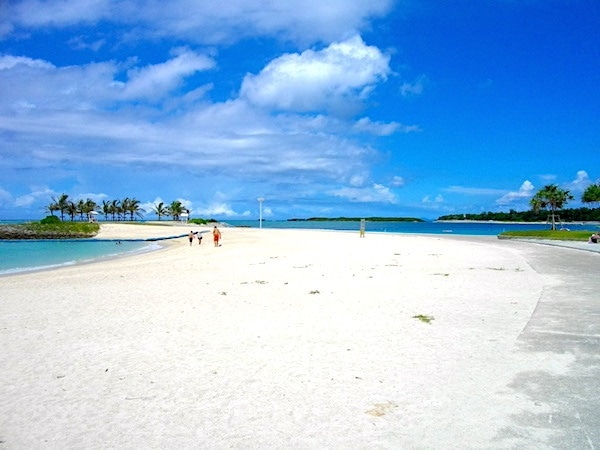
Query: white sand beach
{"type": "Point", "coordinates": [276, 339]}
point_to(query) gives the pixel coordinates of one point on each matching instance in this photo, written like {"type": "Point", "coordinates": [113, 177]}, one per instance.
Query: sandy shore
{"type": "Point", "coordinates": [276, 339]}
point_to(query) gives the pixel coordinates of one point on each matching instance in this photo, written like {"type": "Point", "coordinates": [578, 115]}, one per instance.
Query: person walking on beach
{"type": "Point", "coordinates": [191, 237]}
{"type": "Point", "coordinates": [199, 236]}
{"type": "Point", "coordinates": [216, 236]}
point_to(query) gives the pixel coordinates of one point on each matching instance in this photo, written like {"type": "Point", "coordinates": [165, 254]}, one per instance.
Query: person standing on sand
{"type": "Point", "coordinates": [216, 236]}
{"type": "Point", "coordinates": [199, 236]}
{"type": "Point", "coordinates": [191, 237]}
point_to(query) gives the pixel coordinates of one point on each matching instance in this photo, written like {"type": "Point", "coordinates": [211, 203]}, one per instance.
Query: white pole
{"type": "Point", "coordinates": [260, 200]}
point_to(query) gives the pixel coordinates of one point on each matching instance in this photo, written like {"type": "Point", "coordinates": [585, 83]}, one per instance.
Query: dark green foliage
{"type": "Point", "coordinates": [566, 215]}
{"type": "Point", "coordinates": [50, 220]}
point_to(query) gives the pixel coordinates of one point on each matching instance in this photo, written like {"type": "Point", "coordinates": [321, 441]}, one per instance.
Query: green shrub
{"type": "Point", "coordinates": [50, 220]}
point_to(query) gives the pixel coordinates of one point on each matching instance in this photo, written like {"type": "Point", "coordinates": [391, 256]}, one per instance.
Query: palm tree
{"type": "Point", "coordinates": [550, 197]}
{"type": "Point", "coordinates": [61, 205]}
{"type": "Point", "coordinates": [160, 210]}
{"type": "Point", "coordinates": [106, 205]}
{"type": "Point", "coordinates": [80, 208]}
{"type": "Point", "coordinates": [87, 207]}
{"type": "Point", "coordinates": [125, 204]}
{"type": "Point", "coordinates": [175, 209]}
{"type": "Point", "coordinates": [115, 209]}
{"type": "Point", "coordinates": [132, 206]}
{"type": "Point", "coordinates": [591, 194]}
{"type": "Point", "coordinates": [71, 210]}
{"type": "Point", "coordinates": [51, 208]}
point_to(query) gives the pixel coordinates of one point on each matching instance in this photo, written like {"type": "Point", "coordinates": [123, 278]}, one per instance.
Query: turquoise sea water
{"type": "Point", "coordinates": [462, 228]}
{"type": "Point", "coordinates": [20, 256]}
{"type": "Point", "coordinates": [23, 256]}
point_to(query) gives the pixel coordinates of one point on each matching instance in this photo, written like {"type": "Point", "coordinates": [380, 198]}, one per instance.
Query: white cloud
{"type": "Point", "coordinates": [5, 197]}
{"type": "Point", "coordinates": [334, 79]}
{"type": "Point", "coordinates": [217, 209]}
{"type": "Point", "coordinates": [437, 199]}
{"type": "Point", "coordinates": [581, 181]}
{"type": "Point", "coordinates": [524, 192]}
{"type": "Point", "coordinates": [377, 193]}
{"type": "Point", "coordinates": [10, 62]}
{"type": "Point", "coordinates": [414, 88]}
{"type": "Point", "coordinates": [28, 84]}
{"type": "Point", "coordinates": [33, 13]}
{"type": "Point", "coordinates": [357, 180]}
{"type": "Point", "coordinates": [383, 129]}
{"type": "Point", "coordinates": [473, 190]}
{"type": "Point", "coordinates": [37, 193]}
{"type": "Point", "coordinates": [204, 22]}
{"type": "Point", "coordinates": [157, 80]}
{"type": "Point", "coordinates": [398, 181]}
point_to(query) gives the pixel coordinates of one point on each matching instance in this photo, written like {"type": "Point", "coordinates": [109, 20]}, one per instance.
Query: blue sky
{"type": "Point", "coordinates": [341, 108]}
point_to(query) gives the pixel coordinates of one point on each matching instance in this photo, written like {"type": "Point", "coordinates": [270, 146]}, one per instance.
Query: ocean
{"type": "Point", "coordinates": [30, 255]}
{"type": "Point", "coordinates": [461, 228]}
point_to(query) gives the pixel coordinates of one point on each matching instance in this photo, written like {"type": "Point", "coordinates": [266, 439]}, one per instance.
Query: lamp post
{"type": "Point", "coordinates": [260, 202]}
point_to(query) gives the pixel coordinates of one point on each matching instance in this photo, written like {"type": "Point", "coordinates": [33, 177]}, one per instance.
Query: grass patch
{"type": "Point", "coordinates": [558, 235]}
{"type": "Point", "coordinates": [60, 230]}
{"type": "Point", "coordinates": [423, 318]}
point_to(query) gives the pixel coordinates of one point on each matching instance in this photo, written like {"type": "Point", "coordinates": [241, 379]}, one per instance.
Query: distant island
{"type": "Point", "coordinates": [358, 219]}
{"type": "Point", "coordinates": [563, 215]}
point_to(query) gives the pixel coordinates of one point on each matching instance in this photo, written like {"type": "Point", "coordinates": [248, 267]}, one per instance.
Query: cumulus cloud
{"type": "Point", "coordinates": [304, 21]}
{"type": "Point", "coordinates": [524, 192]}
{"type": "Point", "coordinates": [377, 193]}
{"type": "Point", "coordinates": [581, 181]}
{"type": "Point", "coordinates": [36, 194]}
{"type": "Point", "coordinates": [35, 84]}
{"type": "Point", "coordinates": [330, 79]}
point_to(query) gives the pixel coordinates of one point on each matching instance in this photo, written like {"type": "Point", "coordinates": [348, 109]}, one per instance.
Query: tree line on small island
{"type": "Point", "coordinates": [126, 209]}
{"type": "Point", "coordinates": [545, 206]}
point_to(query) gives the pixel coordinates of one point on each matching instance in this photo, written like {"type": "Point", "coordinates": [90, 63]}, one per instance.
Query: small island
{"type": "Point", "coordinates": [49, 230]}
{"type": "Point", "coordinates": [358, 219]}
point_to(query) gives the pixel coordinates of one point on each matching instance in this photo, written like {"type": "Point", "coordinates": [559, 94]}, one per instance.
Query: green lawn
{"type": "Point", "coordinates": [560, 235]}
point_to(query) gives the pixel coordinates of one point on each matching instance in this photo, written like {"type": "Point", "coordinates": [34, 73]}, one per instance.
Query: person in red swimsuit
{"type": "Point", "coordinates": [216, 236]}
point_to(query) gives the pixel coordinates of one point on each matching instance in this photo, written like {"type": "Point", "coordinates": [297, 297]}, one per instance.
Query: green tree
{"type": "Point", "coordinates": [115, 209]}
{"type": "Point", "coordinates": [175, 209]}
{"type": "Point", "coordinates": [106, 208]}
{"type": "Point", "coordinates": [87, 207]}
{"type": "Point", "coordinates": [552, 198]}
{"type": "Point", "coordinates": [160, 209]}
{"type": "Point", "coordinates": [132, 207]}
{"type": "Point", "coordinates": [591, 194]}
{"type": "Point", "coordinates": [61, 204]}
{"type": "Point", "coordinates": [52, 207]}
{"type": "Point", "coordinates": [71, 209]}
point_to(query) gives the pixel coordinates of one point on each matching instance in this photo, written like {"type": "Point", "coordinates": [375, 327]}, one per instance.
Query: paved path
{"type": "Point", "coordinates": [565, 326]}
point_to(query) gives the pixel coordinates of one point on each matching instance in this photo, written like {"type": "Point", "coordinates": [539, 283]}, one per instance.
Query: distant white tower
{"type": "Point", "coordinates": [260, 202]}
